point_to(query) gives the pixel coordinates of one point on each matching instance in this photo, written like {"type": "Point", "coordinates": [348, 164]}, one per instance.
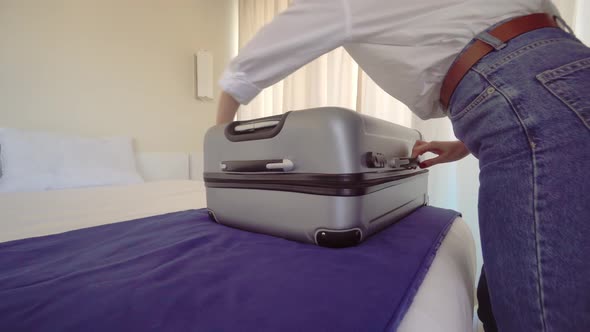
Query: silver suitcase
{"type": "Point", "coordinates": [327, 176]}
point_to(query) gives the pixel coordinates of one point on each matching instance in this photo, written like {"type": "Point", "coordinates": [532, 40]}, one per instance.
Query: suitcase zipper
{"type": "Point", "coordinates": [320, 184]}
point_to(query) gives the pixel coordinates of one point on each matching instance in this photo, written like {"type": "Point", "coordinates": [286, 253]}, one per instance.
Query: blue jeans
{"type": "Point", "coordinates": [524, 112]}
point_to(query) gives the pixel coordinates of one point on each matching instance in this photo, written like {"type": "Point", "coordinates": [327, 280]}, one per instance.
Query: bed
{"type": "Point", "coordinates": [443, 302]}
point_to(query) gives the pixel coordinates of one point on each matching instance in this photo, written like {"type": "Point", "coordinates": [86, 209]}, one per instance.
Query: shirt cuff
{"type": "Point", "coordinates": [239, 87]}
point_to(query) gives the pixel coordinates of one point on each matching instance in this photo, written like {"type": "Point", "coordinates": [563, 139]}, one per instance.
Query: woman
{"type": "Point", "coordinates": [516, 87]}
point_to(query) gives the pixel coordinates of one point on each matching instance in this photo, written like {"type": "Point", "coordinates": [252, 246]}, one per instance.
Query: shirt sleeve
{"type": "Point", "coordinates": [297, 36]}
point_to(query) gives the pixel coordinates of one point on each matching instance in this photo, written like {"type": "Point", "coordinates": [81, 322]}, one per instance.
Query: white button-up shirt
{"type": "Point", "coordinates": [405, 46]}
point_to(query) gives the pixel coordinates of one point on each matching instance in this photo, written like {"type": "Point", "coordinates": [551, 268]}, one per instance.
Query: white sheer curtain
{"type": "Point", "coordinates": [336, 80]}
{"type": "Point", "coordinates": [331, 80]}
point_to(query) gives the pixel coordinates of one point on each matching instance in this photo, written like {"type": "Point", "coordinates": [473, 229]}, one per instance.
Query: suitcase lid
{"type": "Point", "coordinates": [328, 140]}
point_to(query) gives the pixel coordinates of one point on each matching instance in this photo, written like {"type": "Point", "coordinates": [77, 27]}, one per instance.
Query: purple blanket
{"type": "Point", "coordinates": [183, 272]}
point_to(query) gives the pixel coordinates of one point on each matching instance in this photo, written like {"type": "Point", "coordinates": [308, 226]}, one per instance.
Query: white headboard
{"type": "Point", "coordinates": [158, 166]}
{"type": "Point", "coordinates": [196, 166]}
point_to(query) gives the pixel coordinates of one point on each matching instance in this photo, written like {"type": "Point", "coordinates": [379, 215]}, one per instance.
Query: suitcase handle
{"type": "Point", "coordinates": [249, 166]}
{"type": "Point", "coordinates": [263, 128]}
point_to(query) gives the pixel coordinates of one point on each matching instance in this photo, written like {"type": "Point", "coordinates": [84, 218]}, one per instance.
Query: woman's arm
{"type": "Point", "coordinates": [297, 36]}
{"type": "Point", "coordinates": [227, 109]}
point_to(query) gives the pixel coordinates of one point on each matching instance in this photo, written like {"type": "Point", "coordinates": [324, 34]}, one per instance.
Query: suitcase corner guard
{"type": "Point", "coordinates": [212, 216]}
{"type": "Point", "coordinates": [338, 238]}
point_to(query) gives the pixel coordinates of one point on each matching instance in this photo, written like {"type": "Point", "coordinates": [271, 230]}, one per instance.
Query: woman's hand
{"type": "Point", "coordinates": [446, 151]}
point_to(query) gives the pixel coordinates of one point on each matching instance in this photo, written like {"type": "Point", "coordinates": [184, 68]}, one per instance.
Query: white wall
{"type": "Point", "coordinates": [577, 14]}
{"type": "Point", "coordinates": [567, 9]}
{"type": "Point", "coordinates": [582, 21]}
{"type": "Point", "coordinates": [112, 67]}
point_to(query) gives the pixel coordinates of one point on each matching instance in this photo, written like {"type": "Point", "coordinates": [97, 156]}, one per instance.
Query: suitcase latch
{"type": "Point", "coordinates": [375, 160]}
{"type": "Point", "coordinates": [378, 160]}
{"type": "Point", "coordinates": [404, 163]}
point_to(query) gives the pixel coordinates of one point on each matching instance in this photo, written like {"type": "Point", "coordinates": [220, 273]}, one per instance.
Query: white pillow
{"type": "Point", "coordinates": [24, 167]}
{"type": "Point", "coordinates": [35, 161]}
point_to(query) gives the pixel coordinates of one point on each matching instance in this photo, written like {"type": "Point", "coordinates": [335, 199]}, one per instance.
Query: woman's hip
{"type": "Point", "coordinates": [535, 92]}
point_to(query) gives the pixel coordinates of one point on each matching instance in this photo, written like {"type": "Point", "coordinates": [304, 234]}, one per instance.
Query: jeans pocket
{"type": "Point", "coordinates": [479, 100]}
{"type": "Point", "coordinates": [571, 84]}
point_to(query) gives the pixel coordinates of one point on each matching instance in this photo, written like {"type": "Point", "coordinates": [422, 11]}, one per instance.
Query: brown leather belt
{"type": "Point", "coordinates": [479, 49]}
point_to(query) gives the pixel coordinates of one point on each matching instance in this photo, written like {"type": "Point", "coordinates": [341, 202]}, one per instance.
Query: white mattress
{"type": "Point", "coordinates": [443, 303]}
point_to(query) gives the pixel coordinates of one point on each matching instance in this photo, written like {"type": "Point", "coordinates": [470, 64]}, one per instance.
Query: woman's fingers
{"type": "Point", "coordinates": [420, 148]}
{"type": "Point", "coordinates": [431, 162]}
{"type": "Point", "coordinates": [434, 147]}
{"type": "Point", "coordinates": [446, 151]}
{"type": "Point", "coordinates": [419, 142]}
